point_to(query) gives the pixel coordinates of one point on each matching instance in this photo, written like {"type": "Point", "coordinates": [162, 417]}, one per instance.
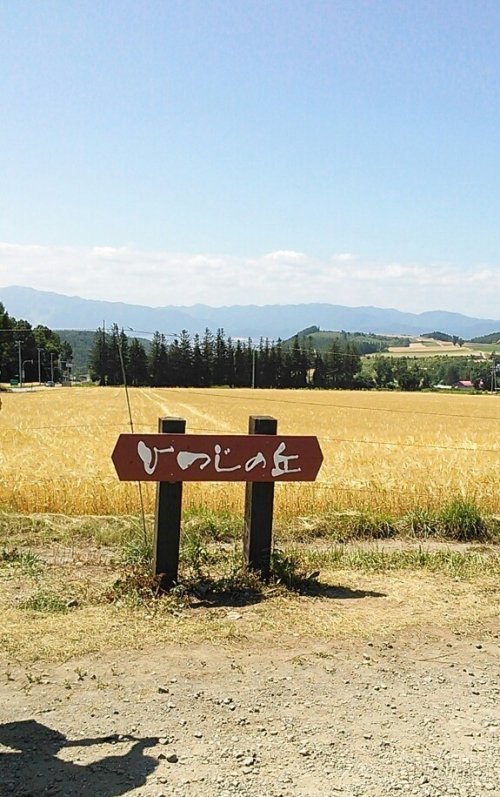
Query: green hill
{"type": "Point", "coordinates": [366, 343]}
{"type": "Point", "coordinates": [494, 337]}
{"type": "Point", "coordinates": [81, 341]}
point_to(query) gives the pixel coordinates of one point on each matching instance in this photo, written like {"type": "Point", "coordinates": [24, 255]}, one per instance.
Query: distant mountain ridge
{"type": "Point", "coordinates": [71, 312]}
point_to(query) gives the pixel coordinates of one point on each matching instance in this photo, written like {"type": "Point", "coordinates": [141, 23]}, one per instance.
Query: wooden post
{"type": "Point", "coordinates": [259, 501]}
{"type": "Point", "coordinates": [168, 518]}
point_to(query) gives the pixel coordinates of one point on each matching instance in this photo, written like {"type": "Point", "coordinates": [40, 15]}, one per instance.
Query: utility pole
{"type": "Point", "coordinates": [40, 366]}
{"type": "Point", "coordinates": [52, 366]}
{"type": "Point", "coordinates": [493, 374]}
{"type": "Point", "coordinates": [103, 349]}
{"type": "Point", "coordinates": [20, 363]}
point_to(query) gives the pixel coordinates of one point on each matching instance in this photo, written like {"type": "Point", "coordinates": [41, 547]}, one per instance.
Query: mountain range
{"type": "Point", "coordinates": [71, 312]}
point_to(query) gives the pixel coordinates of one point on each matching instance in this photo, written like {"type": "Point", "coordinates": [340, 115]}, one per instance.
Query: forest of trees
{"type": "Point", "coordinates": [38, 353]}
{"type": "Point", "coordinates": [443, 336]}
{"type": "Point", "coordinates": [214, 359]}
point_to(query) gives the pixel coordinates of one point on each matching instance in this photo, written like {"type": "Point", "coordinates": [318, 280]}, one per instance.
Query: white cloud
{"type": "Point", "coordinates": [154, 278]}
{"type": "Point", "coordinates": [344, 257]}
{"type": "Point", "coordinates": [287, 256]}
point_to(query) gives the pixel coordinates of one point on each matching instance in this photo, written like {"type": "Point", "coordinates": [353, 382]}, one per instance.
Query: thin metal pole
{"type": "Point", "coordinates": [20, 363]}
{"type": "Point", "coordinates": [40, 366]}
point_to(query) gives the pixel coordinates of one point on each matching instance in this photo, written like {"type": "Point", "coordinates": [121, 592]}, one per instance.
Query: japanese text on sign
{"type": "Point", "coordinates": [221, 458]}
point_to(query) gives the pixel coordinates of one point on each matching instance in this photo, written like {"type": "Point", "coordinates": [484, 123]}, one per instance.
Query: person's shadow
{"type": "Point", "coordinates": [32, 766]}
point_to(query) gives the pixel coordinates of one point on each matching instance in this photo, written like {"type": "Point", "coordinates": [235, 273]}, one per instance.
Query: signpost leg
{"type": "Point", "coordinates": [259, 501]}
{"type": "Point", "coordinates": [168, 518]}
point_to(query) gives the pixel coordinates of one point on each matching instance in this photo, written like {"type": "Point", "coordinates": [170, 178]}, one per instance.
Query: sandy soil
{"type": "Point", "coordinates": [413, 713]}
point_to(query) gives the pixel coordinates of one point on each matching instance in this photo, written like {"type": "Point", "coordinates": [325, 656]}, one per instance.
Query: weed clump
{"type": "Point", "coordinates": [462, 520]}
{"type": "Point", "coordinates": [420, 523]}
{"type": "Point", "coordinates": [195, 555]}
{"type": "Point", "coordinates": [26, 561]}
{"type": "Point", "coordinates": [46, 602]}
{"type": "Point", "coordinates": [374, 526]}
{"type": "Point", "coordinates": [136, 587]}
{"type": "Point", "coordinates": [213, 526]}
{"type": "Point", "coordinates": [287, 570]}
{"type": "Point", "coordinates": [137, 551]}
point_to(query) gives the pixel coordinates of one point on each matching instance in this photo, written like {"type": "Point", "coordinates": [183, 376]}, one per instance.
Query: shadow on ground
{"type": "Point", "coordinates": [30, 765]}
{"type": "Point", "coordinates": [320, 590]}
{"type": "Point", "coordinates": [204, 596]}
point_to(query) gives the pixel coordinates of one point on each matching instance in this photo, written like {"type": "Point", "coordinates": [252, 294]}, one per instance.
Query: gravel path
{"type": "Point", "coordinates": [407, 715]}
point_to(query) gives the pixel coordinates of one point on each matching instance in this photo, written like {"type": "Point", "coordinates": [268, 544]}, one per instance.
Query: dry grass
{"type": "Point", "coordinates": [387, 452]}
{"type": "Point", "coordinates": [56, 605]}
{"type": "Point", "coordinates": [407, 602]}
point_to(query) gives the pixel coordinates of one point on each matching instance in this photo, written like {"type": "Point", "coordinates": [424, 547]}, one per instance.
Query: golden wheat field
{"type": "Point", "coordinates": [389, 452]}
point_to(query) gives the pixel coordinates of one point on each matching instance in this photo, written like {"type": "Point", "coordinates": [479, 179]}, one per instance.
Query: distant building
{"type": "Point", "coordinates": [463, 384]}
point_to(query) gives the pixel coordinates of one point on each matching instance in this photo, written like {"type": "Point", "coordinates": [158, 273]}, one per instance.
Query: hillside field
{"type": "Point", "coordinates": [387, 452]}
{"type": "Point", "coordinates": [429, 347]}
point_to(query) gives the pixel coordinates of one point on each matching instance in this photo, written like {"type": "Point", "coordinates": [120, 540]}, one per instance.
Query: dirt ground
{"type": "Point", "coordinates": [416, 712]}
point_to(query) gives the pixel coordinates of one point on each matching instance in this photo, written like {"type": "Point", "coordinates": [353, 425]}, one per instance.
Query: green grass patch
{"type": "Point", "coordinates": [41, 529]}
{"type": "Point", "coordinates": [458, 564]}
{"type": "Point", "coordinates": [459, 520]}
{"type": "Point", "coordinates": [25, 560]}
{"type": "Point", "coordinates": [45, 602]}
{"type": "Point", "coordinates": [137, 550]}
{"type": "Point", "coordinates": [221, 526]}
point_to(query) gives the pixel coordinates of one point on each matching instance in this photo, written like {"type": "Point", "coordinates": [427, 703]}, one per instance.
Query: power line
{"type": "Point", "coordinates": [317, 486]}
{"type": "Point", "coordinates": [354, 441]}
{"type": "Point", "coordinates": [393, 444]}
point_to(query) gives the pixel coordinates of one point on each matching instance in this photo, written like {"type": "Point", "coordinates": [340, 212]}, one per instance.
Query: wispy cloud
{"type": "Point", "coordinates": [287, 256]}
{"type": "Point", "coordinates": [344, 257]}
{"type": "Point", "coordinates": [156, 278]}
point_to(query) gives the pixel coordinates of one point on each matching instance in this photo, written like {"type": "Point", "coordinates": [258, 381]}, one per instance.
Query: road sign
{"type": "Point", "coordinates": [246, 458]}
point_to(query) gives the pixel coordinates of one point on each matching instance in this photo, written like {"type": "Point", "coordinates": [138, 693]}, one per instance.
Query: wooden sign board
{"type": "Point", "coordinates": [246, 458]}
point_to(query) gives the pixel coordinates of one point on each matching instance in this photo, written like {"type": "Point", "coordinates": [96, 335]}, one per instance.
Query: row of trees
{"type": "Point", "coordinates": [417, 374]}
{"type": "Point", "coordinates": [213, 359]}
{"type": "Point", "coordinates": [30, 354]}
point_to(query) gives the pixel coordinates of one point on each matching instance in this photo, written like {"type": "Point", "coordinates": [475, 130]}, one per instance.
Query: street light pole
{"type": "Point", "coordinates": [20, 363]}
{"type": "Point", "coordinates": [39, 366]}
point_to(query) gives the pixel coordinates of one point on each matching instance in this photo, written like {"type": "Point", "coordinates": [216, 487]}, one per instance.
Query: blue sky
{"type": "Point", "coordinates": [253, 152]}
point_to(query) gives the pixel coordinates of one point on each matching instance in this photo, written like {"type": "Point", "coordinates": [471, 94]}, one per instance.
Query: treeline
{"type": "Point", "coordinates": [31, 354]}
{"type": "Point", "coordinates": [493, 337]}
{"type": "Point", "coordinates": [214, 359]}
{"type": "Point", "coordinates": [444, 337]}
{"type": "Point", "coordinates": [217, 360]}
{"type": "Point", "coordinates": [406, 373]}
